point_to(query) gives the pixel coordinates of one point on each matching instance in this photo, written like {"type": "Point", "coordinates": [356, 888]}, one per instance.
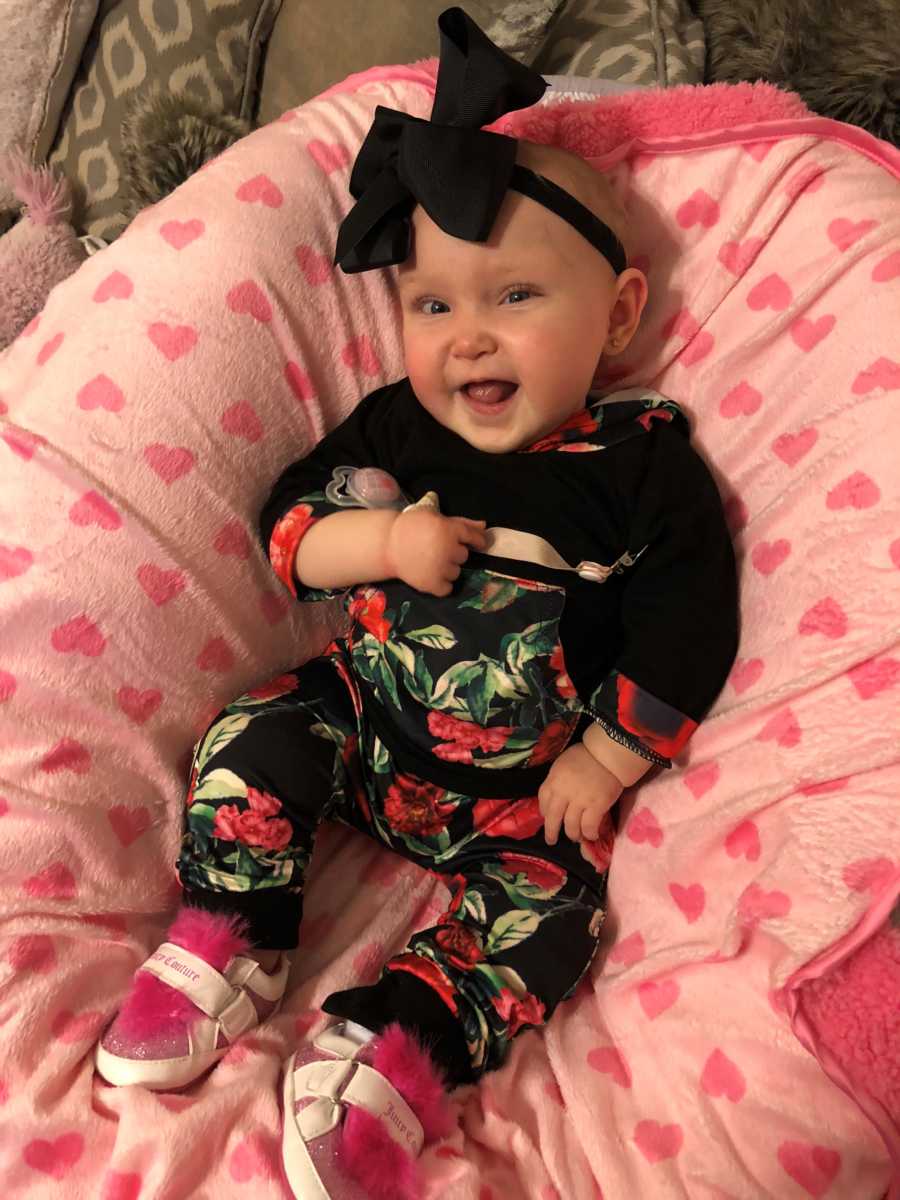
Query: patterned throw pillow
{"type": "Point", "coordinates": [652, 42]}
{"type": "Point", "coordinates": [207, 49]}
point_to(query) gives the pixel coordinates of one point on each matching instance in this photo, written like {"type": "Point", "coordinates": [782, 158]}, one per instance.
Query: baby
{"type": "Point", "coordinates": [542, 602]}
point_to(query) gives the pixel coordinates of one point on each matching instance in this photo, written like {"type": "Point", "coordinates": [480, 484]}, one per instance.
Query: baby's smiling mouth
{"type": "Point", "coordinates": [489, 391]}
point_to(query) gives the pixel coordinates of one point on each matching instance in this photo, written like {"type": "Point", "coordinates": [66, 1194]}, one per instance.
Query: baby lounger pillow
{"type": "Point", "coordinates": [144, 416]}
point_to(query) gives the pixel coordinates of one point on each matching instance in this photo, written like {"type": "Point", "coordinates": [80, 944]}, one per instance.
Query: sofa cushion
{"type": "Point", "coordinates": [207, 49]}
{"type": "Point", "coordinates": [657, 42]}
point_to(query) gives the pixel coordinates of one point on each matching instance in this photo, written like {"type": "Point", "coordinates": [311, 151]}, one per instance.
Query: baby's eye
{"type": "Point", "coordinates": [524, 292]}
{"type": "Point", "coordinates": [424, 306]}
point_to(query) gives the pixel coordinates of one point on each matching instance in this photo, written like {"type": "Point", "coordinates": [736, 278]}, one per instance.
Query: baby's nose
{"type": "Point", "coordinates": [474, 340]}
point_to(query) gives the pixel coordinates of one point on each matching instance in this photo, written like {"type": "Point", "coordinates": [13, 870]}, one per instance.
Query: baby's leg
{"type": "Point", "coordinates": [261, 781]}
{"type": "Point", "coordinates": [518, 935]}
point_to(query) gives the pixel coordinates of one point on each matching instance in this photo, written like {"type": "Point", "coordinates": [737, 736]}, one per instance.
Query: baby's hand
{"type": "Point", "coordinates": [577, 794]}
{"type": "Point", "coordinates": [426, 549]}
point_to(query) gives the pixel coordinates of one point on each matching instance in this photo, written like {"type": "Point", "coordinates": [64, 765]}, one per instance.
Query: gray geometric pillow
{"type": "Point", "coordinates": [652, 42]}
{"type": "Point", "coordinates": [207, 49]}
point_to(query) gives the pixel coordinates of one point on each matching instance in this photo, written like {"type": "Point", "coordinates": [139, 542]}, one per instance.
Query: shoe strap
{"type": "Point", "coordinates": [204, 986]}
{"type": "Point", "coordinates": [332, 1083]}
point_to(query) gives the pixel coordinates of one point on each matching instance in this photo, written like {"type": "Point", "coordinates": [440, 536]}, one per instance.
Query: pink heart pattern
{"type": "Point", "coordinates": [814, 1167]}
{"type": "Point", "coordinates": [700, 779]}
{"type": "Point", "coordinates": [745, 673]}
{"type": "Point", "coordinates": [742, 401]}
{"type": "Point", "coordinates": [32, 952]}
{"type": "Point", "coordinates": [700, 208]}
{"type": "Point", "coordinates": [610, 1061]}
{"type": "Point", "coordinates": [101, 392]}
{"type": "Point", "coordinates": [657, 996]}
{"type": "Point", "coordinates": [316, 267]}
{"type": "Point", "coordinates": [69, 1027]}
{"type": "Point", "coordinates": [116, 286]}
{"type": "Point", "coordinates": [807, 334]}
{"type": "Point", "coordinates": [768, 556]}
{"type": "Point", "coordinates": [359, 352]}
{"type": "Point", "coordinates": [782, 729]}
{"type": "Point", "coordinates": [874, 676]}
{"type": "Point", "coordinates": [826, 617]}
{"type": "Point", "coordinates": [328, 156]}
{"type": "Point", "coordinates": [722, 1077]}
{"type": "Point", "coordinates": [644, 827]}
{"type": "Point", "coordinates": [691, 900]}
{"type": "Point", "coordinates": [856, 491]}
{"type": "Point", "coordinates": [93, 509]}
{"type": "Point", "coordinates": [658, 1142]}
{"type": "Point", "coordinates": [169, 462]}
{"type": "Point", "coordinates": [215, 656]}
{"type": "Point", "coordinates": [300, 383]}
{"type": "Point", "coordinates": [843, 232]}
{"type": "Point", "coordinates": [755, 904]}
{"type": "Point", "coordinates": [884, 373]}
{"type": "Point", "coordinates": [55, 882]}
{"type": "Point", "coordinates": [67, 755]}
{"type": "Point", "coordinates": [887, 269]}
{"type": "Point", "coordinates": [49, 348]}
{"type": "Point", "coordinates": [743, 842]}
{"type": "Point", "coordinates": [14, 561]}
{"type": "Point", "coordinates": [242, 420]}
{"type": "Point", "coordinates": [771, 292]}
{"type": "Point", "coordinates": [55, 1158]}
{"type": "Point", "coordinates": [791, 447]}
{"type": "Point", "coordinates": [138, 706]}
{"type": "Point", "coordinates": [869, 874]}
{"type": "Point", "coordinates": [738, 257]}
{"type": "Point", "coordinates": [248, 297]}
{"type": "Point", "coordinates": [78, 636]}
{"type": "Point", "coordinates": [173, 341]}
{"type": "Point", "coordinates": [261, 190]}
{"type": "Point", "coordinates": [128, 823]}
{"type": "Point", "coordinates": [161, 585]}
{"type": "Point", "coordinates": [181, 233]}
{"type": "Point", "coordinates": [629, 950]}
{"type": "Point", "coordinates": [122, 1185]}
{"type": "Point", "coordinates": [232, 539]}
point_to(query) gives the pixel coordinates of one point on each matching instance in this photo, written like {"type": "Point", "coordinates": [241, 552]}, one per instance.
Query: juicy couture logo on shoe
{"type": "Point", "coordinates": [175, 964]}
{"type": "Point", "coordinates": [397, 1121]}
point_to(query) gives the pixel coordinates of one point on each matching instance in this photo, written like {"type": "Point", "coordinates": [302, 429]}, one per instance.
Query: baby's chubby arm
{"type": "Point", "coordinates": [423, 548]}
{"type": "Point", "coordinates": [584, 783]}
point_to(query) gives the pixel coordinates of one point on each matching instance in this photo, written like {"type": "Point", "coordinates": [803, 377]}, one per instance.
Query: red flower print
{"type": "Point", "coordinates": [367, 609]}
{"type": "Point", "coordinates": [350, 759]}
{"type": "Point", "coordinates": [653, 414]}
{"type": "Point", "coordinates": [461, 945]}
{"type": "Point", "coordinates": [545, 875]}
{"type": "Point", "coordinates": [457, 885]}
{"type": "Point", "coordinates": [192, 786]}
{"type": "Point", "coordinates": [508, 818]}
{"type": "Point", "coordinates": [529, 1011]}
{"type": "Point", "coordinates": [414, 806]}
{"type": "Point", "coordinates": [564, 684]}
{"type": "Point", "coordinates": [429, 972]}
{"type": "Point", "coordinates": [599, 853]}
{"type": "Point", "coordinates": [274, 688]}
{"type": "Point", "coordinates": [263, 802]}
{"type": "Point", "coordinates": [551, 743]}
{"type": "Point", "coordinates": [251, 827]}
{"type": "Point", "coordinates": [337, 661]}
{"type": "Point", "coordinates": [286, 537]}
{"type": "Point", "coordinates": [581, 422]}
{"type": "Point", "coordinates": [460, 738]}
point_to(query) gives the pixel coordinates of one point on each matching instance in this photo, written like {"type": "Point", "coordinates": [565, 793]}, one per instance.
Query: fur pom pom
{"type": "Point", "coordinates": [400, 1058]}
{"type": "Point", "coordinates": [152, 1007]}
{"type": "Point", "coordinates": [369, 1153]}
{"type": "Point", "coordinates": [46, 196]}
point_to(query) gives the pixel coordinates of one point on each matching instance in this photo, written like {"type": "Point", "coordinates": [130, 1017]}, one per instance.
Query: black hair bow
{"type": "Point", "coordinates": [457, 171]}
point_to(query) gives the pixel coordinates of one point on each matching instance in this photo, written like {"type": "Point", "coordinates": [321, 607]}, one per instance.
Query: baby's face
{"type": "Point", "coordinates": [527, 312]}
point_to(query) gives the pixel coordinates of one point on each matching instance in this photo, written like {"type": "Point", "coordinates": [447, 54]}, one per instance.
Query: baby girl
{"type": "Point", "coordinates": [542, 606]}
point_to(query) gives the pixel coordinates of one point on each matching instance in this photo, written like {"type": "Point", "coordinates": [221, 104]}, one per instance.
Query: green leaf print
{"type": "Point", "coordinates": [520, 890]}
{"type": "Point", "coordinates": [220, 784]}
{"type": "Point", "coordinates": [405, 655]}
{"type": "Point", "coordinates": [384, 678]}
{"type": "Point", "coordinates": [439, 637]}
{"type": "Point", "coordinates": [510, 929]}
{"type": "Point", "coordinates": [473, 905]}
{"type": "Point", "coordinates": [538, 640]}
{"type": "Point", "coordinates": [219, 736]}
{"type": "Point", "coordinates": [459, 675]}
{"type": "Point", "coordinates": [492, 594]}
{"type": "Point", "coordinates": [203, 818]}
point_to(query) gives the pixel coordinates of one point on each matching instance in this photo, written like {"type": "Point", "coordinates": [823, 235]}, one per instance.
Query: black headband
{"type": "Point", "coordinates": [456, 170]}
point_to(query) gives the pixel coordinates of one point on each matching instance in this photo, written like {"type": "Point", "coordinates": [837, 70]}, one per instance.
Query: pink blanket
{"type": "Point", "coordinates": [143, 417]}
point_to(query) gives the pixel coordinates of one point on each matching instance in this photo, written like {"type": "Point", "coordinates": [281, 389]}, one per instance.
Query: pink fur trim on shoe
{"type": "Point", "coordinates": [152, 1007]}
{"type": "Point", "coordinates": [400, 1058]}
{"type": "Point", "coordinates": [47, 196]}
{"type": "Point", "coordinates": [369, 1153]}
